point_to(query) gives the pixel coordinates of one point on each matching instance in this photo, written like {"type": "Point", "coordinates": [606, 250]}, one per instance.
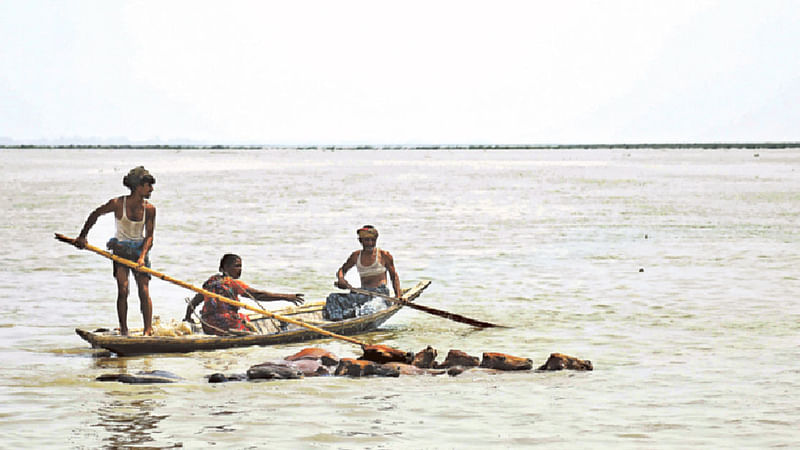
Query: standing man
{"type": "Point", "coordinates": [373, 264]}
{"type": "Point", "coordinates": [135, 222]}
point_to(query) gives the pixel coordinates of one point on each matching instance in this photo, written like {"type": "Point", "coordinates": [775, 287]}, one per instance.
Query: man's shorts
{"type": "Point", "coordinates": [130, 250]}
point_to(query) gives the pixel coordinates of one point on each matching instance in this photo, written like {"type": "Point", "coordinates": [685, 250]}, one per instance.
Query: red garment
{"type": "Point", "coordinates": [218, 313]}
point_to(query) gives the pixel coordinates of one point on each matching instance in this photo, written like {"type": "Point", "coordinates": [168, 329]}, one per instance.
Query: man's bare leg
{"type": "Point", "coordinates": [146, 305]}
{"type": "Point", "coordinates": [121, 274]}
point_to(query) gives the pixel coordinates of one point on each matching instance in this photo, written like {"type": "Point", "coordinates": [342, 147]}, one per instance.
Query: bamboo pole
{"type": "Point", "coordinates": [436, 312]}
{"type": "Point", "coordinates": [186, 285]}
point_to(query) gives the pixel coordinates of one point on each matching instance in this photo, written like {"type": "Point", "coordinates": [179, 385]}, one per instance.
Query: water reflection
{"type": "Point", "coordinates": [563, 272]}
{"type": "Point", "coordinates": [129, 419]}
{"type": "Point", "coordinates": [111, 362]}
{"type": "Point", "coordinates": [120, 364]}
{"type": "Point", "coordinates": [128, 416]}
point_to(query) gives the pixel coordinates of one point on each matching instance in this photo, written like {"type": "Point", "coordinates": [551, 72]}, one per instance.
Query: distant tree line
{"type": "Point", "coordinates": [700, 145]}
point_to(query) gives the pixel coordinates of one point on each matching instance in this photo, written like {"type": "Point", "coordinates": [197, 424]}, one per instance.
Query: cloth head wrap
{"type": "Point", "coordinates": [137, 176]}
{"type": "Point", "coordinates": [367, 233]}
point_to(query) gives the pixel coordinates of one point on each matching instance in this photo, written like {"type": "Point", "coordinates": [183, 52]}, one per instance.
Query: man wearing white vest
{"type": "Point", "coordinates": [135, 222]}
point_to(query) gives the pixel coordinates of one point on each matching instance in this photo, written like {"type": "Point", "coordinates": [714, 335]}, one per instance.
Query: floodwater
{"type": "Point", "coordinates": [673, 271]}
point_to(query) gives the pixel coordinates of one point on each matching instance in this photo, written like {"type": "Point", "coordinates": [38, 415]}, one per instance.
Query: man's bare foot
{"type": "Point", "coordinates": [147, 332]}
{"type": "Point", "coordinates": [123, 331]}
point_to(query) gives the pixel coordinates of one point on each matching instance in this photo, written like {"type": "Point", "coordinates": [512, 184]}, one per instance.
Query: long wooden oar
{"type": "Point", "coordinates": [264, 312]}
{"type": "Point", "coordinates": [429, 310]}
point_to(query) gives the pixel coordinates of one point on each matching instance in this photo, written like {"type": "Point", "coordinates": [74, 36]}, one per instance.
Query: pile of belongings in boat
{"type": "Point", "coordinates": [377, 360]}
{"type": "Point", "coordinates": [172, 328]}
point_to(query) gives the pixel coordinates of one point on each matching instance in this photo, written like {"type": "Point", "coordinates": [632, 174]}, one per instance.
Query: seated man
{"type": "Point", "coordinates": [372, 264]}
{"type": "Point", "coordinates": [219, 317]}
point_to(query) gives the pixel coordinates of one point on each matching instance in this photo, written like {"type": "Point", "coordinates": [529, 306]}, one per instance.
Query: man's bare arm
{"type": "Point", "coordinates": [110, 206]}
{"type": "Point", "coordinates": [340, 281]}
{"type": "Point", "coordinates": [393, 274]}
{"type": "Point", "coordinates": [192, 305]}
{"type": "Point", "coordinates": [150, 229]}
{"type": "Point", "coordinates": [265, 296]}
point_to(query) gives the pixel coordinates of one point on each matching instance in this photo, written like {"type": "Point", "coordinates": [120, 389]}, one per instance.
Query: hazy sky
{"type": "Point", "coordinates": [411, 72]}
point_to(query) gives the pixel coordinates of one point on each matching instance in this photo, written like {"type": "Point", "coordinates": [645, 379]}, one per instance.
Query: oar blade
{"type": "Point", "coordinates": [436, 312]}
{"type": "Point", "coordinates": [453, 316]}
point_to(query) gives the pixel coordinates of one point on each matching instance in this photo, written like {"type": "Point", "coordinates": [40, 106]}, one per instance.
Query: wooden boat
{"type": "Point", "coordinates": [272, 331]}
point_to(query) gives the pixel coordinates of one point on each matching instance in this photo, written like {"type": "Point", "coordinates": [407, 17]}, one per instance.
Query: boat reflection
{"type": "Point", "coordinates": [128, 413]}
{"type": "Point", "coordinates": [129, 419]}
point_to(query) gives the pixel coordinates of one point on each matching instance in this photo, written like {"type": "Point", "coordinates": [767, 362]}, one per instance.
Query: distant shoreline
{"type": "Point", "coordinates": [709, 145]}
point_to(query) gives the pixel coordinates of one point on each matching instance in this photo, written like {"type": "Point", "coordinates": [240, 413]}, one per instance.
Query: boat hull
{"type": "Point", "coordinates": [138, 345]}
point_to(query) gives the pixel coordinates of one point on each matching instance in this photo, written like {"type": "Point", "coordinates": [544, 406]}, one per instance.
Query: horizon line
{"type": "Point", "coordinates": [764, 144]}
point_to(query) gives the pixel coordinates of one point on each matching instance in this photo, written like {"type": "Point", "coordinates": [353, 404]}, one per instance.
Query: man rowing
{"type": "Point", "coordinates": [135, 225]}
{"type": "Point", "coordinates": [222, 318]}
{"type": "Point", "coordinates": [372, 264]}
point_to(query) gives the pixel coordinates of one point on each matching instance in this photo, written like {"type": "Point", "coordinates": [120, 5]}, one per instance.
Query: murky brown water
{"type": "Point", "coordinates": [698, 349]}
